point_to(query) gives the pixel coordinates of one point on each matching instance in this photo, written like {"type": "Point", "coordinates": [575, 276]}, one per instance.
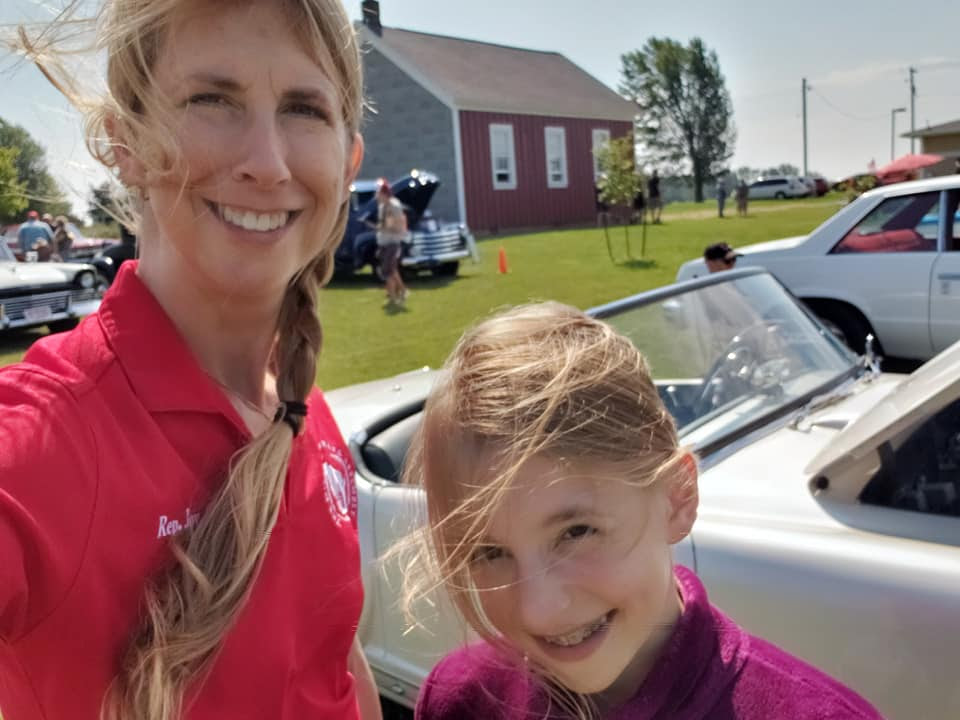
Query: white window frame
{"type": "Point", "coordinates": [560, 136]}
{"type": "Point", "coordinates": [601, 137]}
{"type": "Point", "coordinates": [510, 157]}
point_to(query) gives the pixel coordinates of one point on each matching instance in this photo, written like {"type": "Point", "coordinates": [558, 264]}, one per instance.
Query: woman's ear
{"type": "Point", "coordinates": [684, 498]}
{"type": "Point", "coordinates": [131, 170]}
{"type": "Point", "coordinates": [354, 161]}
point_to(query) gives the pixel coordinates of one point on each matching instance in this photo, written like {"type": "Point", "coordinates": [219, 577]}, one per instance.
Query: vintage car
{"type": "Point", "coordinates": [45, 293]}
{"type": "Point", "coordinates": [829, 520]}
{"type": "Point", "coordinates": [434, 245]}
{"type": "Point", "coordinates": [887, 264]}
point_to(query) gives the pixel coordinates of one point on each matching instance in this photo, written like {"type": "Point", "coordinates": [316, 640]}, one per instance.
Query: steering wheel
{"type": "Point", "coordinates": [731, 373]}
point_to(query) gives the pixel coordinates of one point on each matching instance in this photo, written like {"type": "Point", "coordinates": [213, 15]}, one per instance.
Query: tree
{"type": "Point", "coordinates": [685, 112]}
{"type": "Point", "coordinates": [102, 205]}
{"type": "Point", "coordinates": [40, 189]}
{"type": "Point", "coordinates": [618, 180]}
{"type": "Point", "coordinates": [12, 200]}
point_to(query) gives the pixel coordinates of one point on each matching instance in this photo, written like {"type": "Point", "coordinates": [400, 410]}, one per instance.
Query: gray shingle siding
{"type": "Point", "coordinates": [410, 129]}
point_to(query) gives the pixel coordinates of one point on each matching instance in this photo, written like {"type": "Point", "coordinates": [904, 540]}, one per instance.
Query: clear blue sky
{"type": "Point", "coordinates": [854, 54]}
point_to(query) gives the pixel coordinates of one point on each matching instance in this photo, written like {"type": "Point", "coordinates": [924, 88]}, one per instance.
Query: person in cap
{"type": "Point", "coordinates": [31, 231]}
{"type": "Point", "coordinates": [720, 256]}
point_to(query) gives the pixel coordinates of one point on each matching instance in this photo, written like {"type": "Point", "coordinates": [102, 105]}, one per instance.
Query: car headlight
{"type": "Point", "coordinates": [85, 279]}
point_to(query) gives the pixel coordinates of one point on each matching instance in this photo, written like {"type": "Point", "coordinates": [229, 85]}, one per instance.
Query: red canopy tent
{"type": "Point", "coordinates": [904, 168]}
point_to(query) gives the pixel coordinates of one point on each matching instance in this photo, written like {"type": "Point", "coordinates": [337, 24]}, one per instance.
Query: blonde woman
{"type": "Point", "coordinates": [177, 510]}
{"type": "Point", "coordinates": [555, 488]}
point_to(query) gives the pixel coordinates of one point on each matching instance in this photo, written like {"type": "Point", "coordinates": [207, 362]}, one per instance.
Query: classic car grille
{"type": "Point", "coordinates": [436, 243]}
{"type": "Point", "coordinates": [15, 308]}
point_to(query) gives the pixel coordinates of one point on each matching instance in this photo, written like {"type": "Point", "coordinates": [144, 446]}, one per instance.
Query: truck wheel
{"type": "Point", "coordinates": [849, 326]}
{"type": "Point", "coordinates": [447, 269]}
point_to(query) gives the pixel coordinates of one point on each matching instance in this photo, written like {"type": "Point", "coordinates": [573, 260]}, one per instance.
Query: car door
{"type": "Point", "coordinates": [945, 281]}
{"type": "Point", "coordinates": [883, 265]}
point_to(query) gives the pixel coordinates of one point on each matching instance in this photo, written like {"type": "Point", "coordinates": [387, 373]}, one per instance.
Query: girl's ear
{"type": "Point", "coordinates": [683, 497]}
{"type": "Point", "coordinates": [132, 172]}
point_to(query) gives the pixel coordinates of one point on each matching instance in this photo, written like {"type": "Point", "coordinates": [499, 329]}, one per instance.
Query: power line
{"type": "Point", "coordinates": [840, 110]}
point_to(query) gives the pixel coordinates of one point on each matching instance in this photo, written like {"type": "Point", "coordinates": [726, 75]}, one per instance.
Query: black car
{"type": "Point", "coordinates": [434, 245]}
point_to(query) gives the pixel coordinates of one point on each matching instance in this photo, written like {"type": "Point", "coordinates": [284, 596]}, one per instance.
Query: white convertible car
{"type": "Point", "coordinates": [887, 264]}
{"type": "Point", "coordinates": [830, 492]}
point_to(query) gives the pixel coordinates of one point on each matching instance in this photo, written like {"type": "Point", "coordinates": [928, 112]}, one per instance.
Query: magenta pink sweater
{"type": "Point", "coordinates": [711, 669]}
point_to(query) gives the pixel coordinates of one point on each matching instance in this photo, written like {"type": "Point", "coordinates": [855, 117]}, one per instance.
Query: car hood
{"type": "Point", "coordinates": [357, 407]}
{"type": "Point", "coordinates": [416, 190]}
{"type": "Point", "coordinates": [17, 274]}
{"type": "Point", "coordinates": [928, 390]}
{"type": "Point", "coordinates": [772, 245]}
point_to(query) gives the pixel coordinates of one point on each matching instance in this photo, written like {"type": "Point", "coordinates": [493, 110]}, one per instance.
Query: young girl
{"type": "Point", "coordinates": [555, 487]}
{"type": "Point", "coordinates": [177, 517]}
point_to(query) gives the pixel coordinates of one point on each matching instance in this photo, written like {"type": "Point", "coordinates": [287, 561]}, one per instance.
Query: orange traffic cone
{"type": "Point", "coordinates": [502, 262]}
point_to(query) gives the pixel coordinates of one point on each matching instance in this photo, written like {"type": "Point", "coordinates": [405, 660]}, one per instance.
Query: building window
{"type": "Point", "coordinates": [601, 137]}
{"type": "Point", "coordinates": [555, 140]}
{"type": "Point", "coordinates": [503, 158]}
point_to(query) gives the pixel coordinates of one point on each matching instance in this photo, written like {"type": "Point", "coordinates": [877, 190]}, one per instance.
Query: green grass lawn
{"type": "Point", "coordinates": [364, 340]}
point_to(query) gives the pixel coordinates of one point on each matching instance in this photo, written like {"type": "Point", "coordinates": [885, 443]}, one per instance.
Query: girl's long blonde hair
{"type": "Point", "coordinates": [539, 380]}
{"type": "Point", "coordinates": [190, 607]}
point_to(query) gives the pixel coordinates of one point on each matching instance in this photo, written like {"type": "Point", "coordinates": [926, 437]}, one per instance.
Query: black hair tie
{"type": "Point", "coordinates": [292, 413]}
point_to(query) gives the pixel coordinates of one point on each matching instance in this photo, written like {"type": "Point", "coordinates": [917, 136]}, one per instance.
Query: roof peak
{"type": "Point", "coordinates": [502, 46]}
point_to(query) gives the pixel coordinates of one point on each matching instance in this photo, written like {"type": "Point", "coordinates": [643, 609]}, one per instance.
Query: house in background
{"type": "Point", "coordinates": [510, 132]}
{"type": "Point", "coordinates": [943, 139]}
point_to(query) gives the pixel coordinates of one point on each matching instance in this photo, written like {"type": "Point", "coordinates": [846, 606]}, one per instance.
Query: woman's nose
{"type": "Point", "coordinates": [264, 153]}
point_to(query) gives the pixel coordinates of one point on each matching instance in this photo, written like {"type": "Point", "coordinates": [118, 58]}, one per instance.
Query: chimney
{"type": "Point", "coordinates": [371, 16]}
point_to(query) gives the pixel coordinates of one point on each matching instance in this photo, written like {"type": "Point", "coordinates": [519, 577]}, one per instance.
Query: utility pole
{"type": "Point", "coordinates": [804, 87]}
{"type": "Point", "coordinates": [913, 96]}
{"type": "Point", "coordinates": [893, 120]}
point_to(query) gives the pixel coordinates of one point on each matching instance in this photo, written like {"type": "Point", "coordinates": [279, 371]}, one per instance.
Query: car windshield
{"type": "Point", "coordinates": [5, 253]}
{"type": "Point", "coordinates": [728, 356]}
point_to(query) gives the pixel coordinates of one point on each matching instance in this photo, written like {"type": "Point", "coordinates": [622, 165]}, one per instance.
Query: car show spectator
{"type": "Point", "coordinates": [392, 232]}
{"type": "Point", "coordinates": [602, 206]}
{"type": "Point", "coordinates": [178, 513]}
{"type": "Point", "coordinates": [555, 489]}
{"type": "Point", "coordinates": [722, 190]}
{"type": "Point", "coordinates": [31, 232]}
{"type": "Point", "coordinates": [62, 238]}
{"type": "Point", "coordinates": [743, 197]}
{"type": "Point", "coordinates": [720, 257]}
{"type": "Point", "coordinates": [654, 201]}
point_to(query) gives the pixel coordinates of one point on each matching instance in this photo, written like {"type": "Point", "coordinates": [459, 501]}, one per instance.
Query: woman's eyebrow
{"type": "Point", "coordinates": [306, 95]}
{"type": "Point", "coordinates": [221, 82]}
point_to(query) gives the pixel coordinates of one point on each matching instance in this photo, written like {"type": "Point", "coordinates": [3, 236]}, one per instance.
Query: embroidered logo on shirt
{"type": "Point", "coordinates": [171, 526]}
{"type": "Point", "coordinates": [338, 484]}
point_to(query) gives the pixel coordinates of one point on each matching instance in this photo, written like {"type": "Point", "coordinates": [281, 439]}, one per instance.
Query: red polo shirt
{"type": "Point", "coordinates": [111, 440]}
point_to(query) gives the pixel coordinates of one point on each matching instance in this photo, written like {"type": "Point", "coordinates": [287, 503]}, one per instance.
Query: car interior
{"type": "Point", "coordinates": [920, 469]}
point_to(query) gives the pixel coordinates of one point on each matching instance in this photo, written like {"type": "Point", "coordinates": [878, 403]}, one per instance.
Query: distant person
{"type": "Point", "coordinates": [391, 233]}
{"type": "Point", "coordinates": [956, 166]}
{"type": "Point", "coordinates": [743, 197]}
{"type": "Point", "coordinates": [654, 201]}
{"type": "Point", "coordinates": [719, 257]}
{"type": "Point", "coordinates": [31, 231]}
{"type": "Point", "coordinates": [639, 205]}
{"type": "Point", "coordinates": [62, 239]}
{"type": "Point", "coordinates": [722, 190]}
{"type": "Point", "coordinates": [603, 208]}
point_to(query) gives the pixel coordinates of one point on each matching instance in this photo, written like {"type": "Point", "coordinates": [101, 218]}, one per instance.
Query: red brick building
{"type": "Point", "coordinates": [511, 132]}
